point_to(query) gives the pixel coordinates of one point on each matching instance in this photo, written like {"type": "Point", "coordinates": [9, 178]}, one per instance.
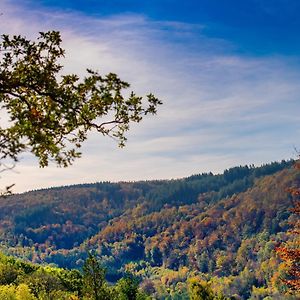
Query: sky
{"type": "Point", "coordinates": [227, 72]}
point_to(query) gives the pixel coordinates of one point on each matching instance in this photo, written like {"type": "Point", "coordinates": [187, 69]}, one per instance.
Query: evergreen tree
{"type": "Point", "coordinates": [94, 282]}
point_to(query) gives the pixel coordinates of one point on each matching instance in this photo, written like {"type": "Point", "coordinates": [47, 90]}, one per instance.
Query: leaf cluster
{"type": "Point", "coordinates": [50, 114]}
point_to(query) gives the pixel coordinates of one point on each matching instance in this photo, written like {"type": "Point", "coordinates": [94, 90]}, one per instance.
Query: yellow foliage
{"type": "Point", "coordinates": [23, 293]}
{"type": "Point", "coordinates": [259, 292]}
{"type": "Point", "coordinates": [172, 277]}
{"type": "Point", "coordinates": [7, 292]}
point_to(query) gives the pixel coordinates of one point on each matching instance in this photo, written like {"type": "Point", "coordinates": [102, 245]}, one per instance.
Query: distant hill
{"type": "Point", "coordinates": [224, 226]}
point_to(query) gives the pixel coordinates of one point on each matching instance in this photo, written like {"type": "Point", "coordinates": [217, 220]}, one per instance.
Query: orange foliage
{"type": "Point", "coordinates": [290, 252]}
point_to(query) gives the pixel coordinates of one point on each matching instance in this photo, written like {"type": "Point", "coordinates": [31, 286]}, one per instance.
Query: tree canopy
{"type": "Point", "coordinates": [290, 250]}
{"type": "Point", "coordinates": [50, 113]}
{"type": "Point", "coordinates": [33, 282]}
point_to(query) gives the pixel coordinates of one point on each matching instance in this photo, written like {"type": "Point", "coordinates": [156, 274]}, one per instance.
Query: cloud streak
{"type": "Point", "coordinates": [220, 109]}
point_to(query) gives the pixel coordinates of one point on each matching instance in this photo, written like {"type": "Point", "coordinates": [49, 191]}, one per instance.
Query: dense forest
{"type": "Point", "coordinates": [169, 235]}
{"type": "Point", "coordinates": [25, 281]}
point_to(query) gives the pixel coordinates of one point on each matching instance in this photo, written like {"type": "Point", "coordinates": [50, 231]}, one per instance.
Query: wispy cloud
{"type": "Point", "coordinates": [220, 109]}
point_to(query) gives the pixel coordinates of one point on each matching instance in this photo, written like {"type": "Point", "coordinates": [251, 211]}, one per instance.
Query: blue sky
{"type": "Point", "coordinates": [227, 71]}
{"type": "Point", "coordinates": [254, 26]}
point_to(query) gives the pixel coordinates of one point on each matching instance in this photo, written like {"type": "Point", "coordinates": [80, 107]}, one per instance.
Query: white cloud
{"type": "Point", "coordinates": [219, 110]}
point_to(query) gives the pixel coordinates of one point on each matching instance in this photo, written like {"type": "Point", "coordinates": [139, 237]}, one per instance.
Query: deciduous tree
{"type": "Point", "coordinates": [290, 251]}
{"type": "Point", "coordinates": [49, 113]}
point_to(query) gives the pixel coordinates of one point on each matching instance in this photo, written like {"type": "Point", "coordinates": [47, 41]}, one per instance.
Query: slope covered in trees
{"type": "Point", "coordinates": [221, 229]}
{"type": "Point", "coordinates": [25, 281]}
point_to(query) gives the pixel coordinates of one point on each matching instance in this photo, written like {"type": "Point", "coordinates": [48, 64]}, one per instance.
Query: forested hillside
{"type": "Point", "coordinates": [26, 281]}
{"type": "Point", "coordinates": [221, 229]}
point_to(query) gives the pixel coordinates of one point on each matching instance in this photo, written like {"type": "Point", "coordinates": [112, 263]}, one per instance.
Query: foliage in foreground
{"type": "Point", "coordinates": [25, 281]}
{"type": "Point", "coordinates": [50, 113]}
